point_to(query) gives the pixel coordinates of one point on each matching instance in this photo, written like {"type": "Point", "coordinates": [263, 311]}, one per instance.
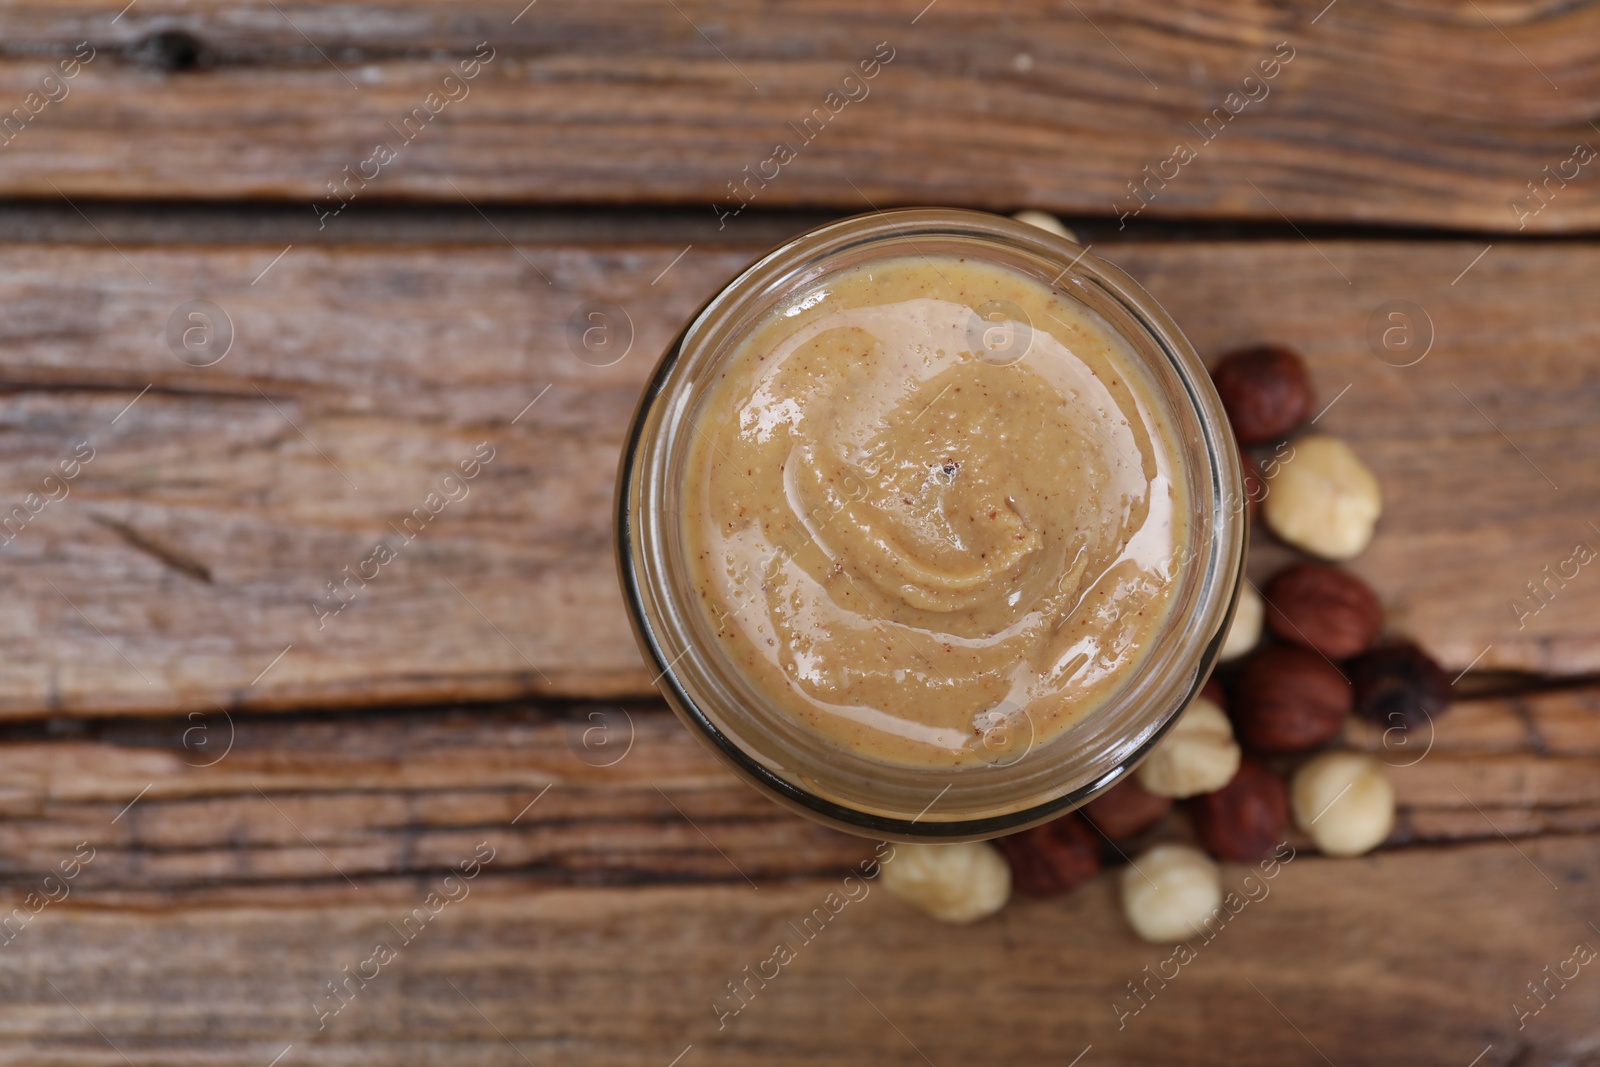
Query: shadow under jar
{"type": "Point", "coordinates": [931, 523]}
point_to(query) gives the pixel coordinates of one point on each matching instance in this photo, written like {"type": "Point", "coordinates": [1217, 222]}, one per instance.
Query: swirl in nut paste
{"type": "Point", "coordinates": [930, 511]}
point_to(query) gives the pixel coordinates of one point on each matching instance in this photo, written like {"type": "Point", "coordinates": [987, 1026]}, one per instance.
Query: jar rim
{"type": "Point", "coordinates": [637, 530]}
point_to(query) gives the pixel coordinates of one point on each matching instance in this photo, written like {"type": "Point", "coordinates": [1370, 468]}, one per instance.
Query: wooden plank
{"type": "Point", "coordinates": [1433, 115]}
{"type": "Point", "coordinates": [596, 794]}
{"type": "Point", "coordinates": [210, 809]}
{"type": "Point", "coordinates": [1415, 957]}
{"type": "Point", "coordinates": [217, 508]}
{"type": "Point", "coordinates": [361, 380]}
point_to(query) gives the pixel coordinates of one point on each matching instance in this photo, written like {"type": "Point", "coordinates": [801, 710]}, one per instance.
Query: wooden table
{"type": "Point", "coordinates": [222, 793]}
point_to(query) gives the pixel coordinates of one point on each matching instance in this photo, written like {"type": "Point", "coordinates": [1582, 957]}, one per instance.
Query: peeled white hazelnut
{"type": "Point", "coordinates": [1046, 221]}
{"type": "Point", "coordinates": [1344, 801]}
{"type": "Point", "coordinates": [1198, 755]}
{"type": "Point", "coordinates": [1323, 499]}
{"type": "Point", "coordinates": [958, 883]}
{"type": "Point", "coordinates": [1169, 892]}
{"type": "Point", "coordinates": [1244, 633]}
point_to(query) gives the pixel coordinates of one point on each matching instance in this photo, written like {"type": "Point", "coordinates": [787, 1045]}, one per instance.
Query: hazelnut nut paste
{"type": "Point", "coordinates": [931, 512]}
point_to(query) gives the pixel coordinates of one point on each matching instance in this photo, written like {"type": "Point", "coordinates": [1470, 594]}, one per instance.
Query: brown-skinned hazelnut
{"type": "Point", "coordinates": [1287, 699]}
{"type": "Point", "coordinates": [1245, 819]}
{"type": "Point", "coordinates": [1052, 859]}
{"type": "Point", "coordinates": [1126, 809]}
{"type": "Point", "coordinates": [1255, 483]}
{"type": "Point", "coordinates": [1265, 391]}
{"type": "Point", "coordinates": [1399, 685]}
{"type": "Point", "coordinates": [1324, 609]}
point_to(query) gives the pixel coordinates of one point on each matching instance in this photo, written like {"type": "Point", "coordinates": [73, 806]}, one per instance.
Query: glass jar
{"type": "Point", "coordinates": [844, 789]}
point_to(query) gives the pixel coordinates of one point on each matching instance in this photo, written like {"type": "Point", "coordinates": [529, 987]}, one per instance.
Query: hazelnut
{"type": "Point", "coordinates": [1197, 755]}
{"type": "Point", "coordinates": [1126, 809]}
{"type": "Point", "coordinates": [1344, 801]}
{"type": "Point", "coordinates": [1052, 859]}
{"type": "Point", "coordinates": [1255, 483]}
{"type": "Point", "coordinates": [1213, 692]}
{"type": "Point", "coordinates": [1324, 609]}
{"type": "Point", "coordinates": [1244, 632]}
{"type": "Point", "coordinates": [1169, 892]}
{"type": "Point", "coordinates": [1286, 699]}
{"type": "Point", "coordinates": [1323, 499]}
{"type": "Point", "coordinates": [1245, 819]}
{"type": "Point", "coordinates": [957, 883]}
{"type": "Point", "coordinates": [1399, 685]}
{"type": "Point", "coordinates": [1265, 391]}
{"type": "Point", "coordinates": [1046, 221]}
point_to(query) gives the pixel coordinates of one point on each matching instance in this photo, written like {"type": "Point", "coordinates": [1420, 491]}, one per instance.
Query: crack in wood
{"type": "Point", "coordinates": [17, 386]}
{"type": "Point", "coordinates": [157, 550]}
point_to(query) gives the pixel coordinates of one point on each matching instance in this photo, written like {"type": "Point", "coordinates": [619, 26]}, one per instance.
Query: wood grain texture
{"type": "Point", "coordinates": [210, 809]}
{"type": "Point", "coordinates": [1417, 113]}
{"type": "Point", "coordinates": [593, 794]}
{"type": "Point", "coordinates": [217, 508]}
{"type": "Point", "coordinates": [360, 381]}
{"type": "Point", "coordinates": [1357, 961]}
{"type": "Point", "coordinates": [180, 579]}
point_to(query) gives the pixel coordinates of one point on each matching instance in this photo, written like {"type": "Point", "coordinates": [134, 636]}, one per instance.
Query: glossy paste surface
{"type": "Point", "coordinates": [931, 512]}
